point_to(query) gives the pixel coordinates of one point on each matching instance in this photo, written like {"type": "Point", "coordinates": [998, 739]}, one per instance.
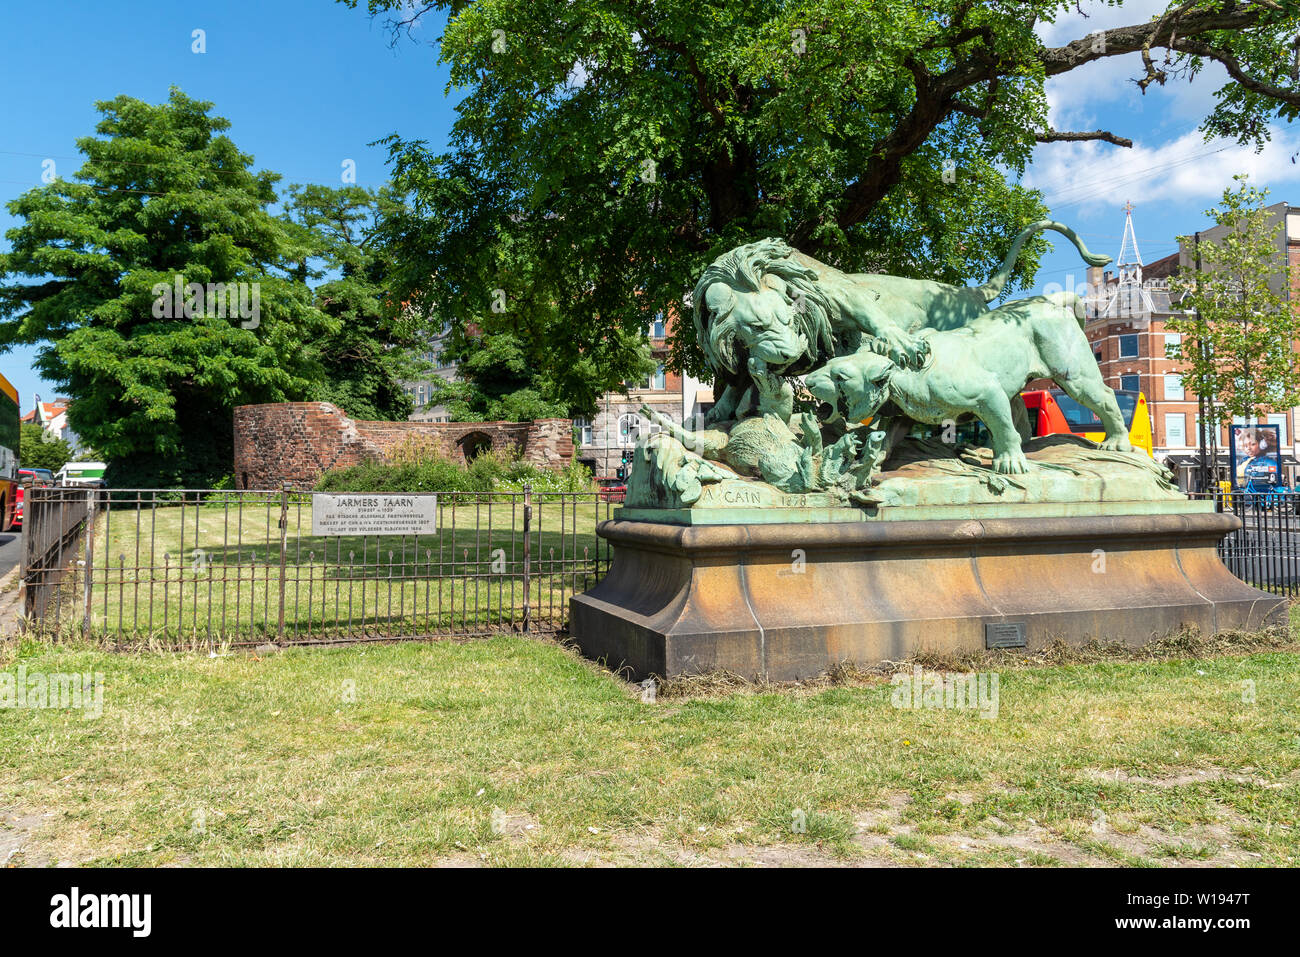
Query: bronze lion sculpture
{"type": "Point", "coordinates": [978, 371]}
{"type": "Point", "coordinates": [766, 308]}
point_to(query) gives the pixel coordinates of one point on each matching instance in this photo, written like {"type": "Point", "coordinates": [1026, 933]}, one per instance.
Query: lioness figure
{"type": "Point", "coordinates": [767, 307]}
{"type": "Point", "coordinates": [978, 370]}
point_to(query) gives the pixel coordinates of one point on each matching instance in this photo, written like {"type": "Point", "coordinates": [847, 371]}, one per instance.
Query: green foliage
{"type": "Point", "coordinates": [1238, 331]}
{"type": "Point", "coordinates": [374, 342]}
{"type": "Point", "coordinates": [40, 450]}
{"type": "Point", "coordinates": [605, 150]}
{"type": "Point", "coordinates": [498, 381]}
{"type": "Point", "coordinates": [489, 472]}
{"type": "Point", "coordinates": [164, 197]}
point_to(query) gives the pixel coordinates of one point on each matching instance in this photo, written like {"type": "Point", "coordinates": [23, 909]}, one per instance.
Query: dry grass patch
{"type": "Point", "coordinates": [510, 751]}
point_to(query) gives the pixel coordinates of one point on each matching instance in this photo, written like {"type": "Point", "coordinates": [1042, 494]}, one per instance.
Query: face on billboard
{"type": "Point", "coordinates": [1255, 451]}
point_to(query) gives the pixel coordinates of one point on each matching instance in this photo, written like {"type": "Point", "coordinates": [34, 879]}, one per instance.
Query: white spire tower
{"type": "Point", "coordinates": [1130, 293]}
{"type": "Point", "coordinates": [1130, 270]}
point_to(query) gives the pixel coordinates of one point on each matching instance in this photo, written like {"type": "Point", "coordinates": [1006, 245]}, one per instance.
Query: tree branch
{"type": "Point", "coordinates": [1234, 68]}
{"type": "Point", "coordinates": [1160, 33]}
{"type": "Point", "coordinates": [936, 95]}
{"type": "Point", "coordinates": [1054, 136]}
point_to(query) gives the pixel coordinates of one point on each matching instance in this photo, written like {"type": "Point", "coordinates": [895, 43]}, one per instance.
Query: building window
{"type": "Point", "coordinates": [632, 429]}
{"type": "Point", "coordinates": [1176, 430]}
{"type": "Point", "coordinates": [1098, 355]}
{"type": "Point", "coordinates": [629, 428]}
{"type": "Point", "coordinates": [1130, 383]}
{"type": "Point", "coordinates": [1128, 347]}
{"type": "Point", "coordinates": [584, 430]}
{"type": "Point", "coordinates": [1172, 341]}
{"type": "Point", "coordinates": [657, 326]}
{"type": "Point", "coordinates": [658, 380]}
{"type": "Point", "coordinates": [1174, 387]}
{"type": "Point", "coordinates": [419, 396]}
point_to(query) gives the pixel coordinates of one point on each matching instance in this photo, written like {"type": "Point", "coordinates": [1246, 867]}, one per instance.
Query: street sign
{"type": "Point", "coordinates": [373, 514]}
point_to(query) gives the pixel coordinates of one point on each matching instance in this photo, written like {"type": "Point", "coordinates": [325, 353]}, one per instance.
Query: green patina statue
{"type": "Point", "coordinates": [885, 357]}
{"type": "Point", "coordinates": [978, 372]}
{"type": "Point", "coordinates": [769, 302]}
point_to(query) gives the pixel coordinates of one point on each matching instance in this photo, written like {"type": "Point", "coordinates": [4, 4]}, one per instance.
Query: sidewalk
{"type": "Point", "coordinates": [10, 604]}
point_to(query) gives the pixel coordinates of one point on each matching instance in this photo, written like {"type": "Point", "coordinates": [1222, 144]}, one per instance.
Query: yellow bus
{"type": "Point", "coordinates": [1053, 412]}
{"type": "Point", "coordinates": [9, 443]}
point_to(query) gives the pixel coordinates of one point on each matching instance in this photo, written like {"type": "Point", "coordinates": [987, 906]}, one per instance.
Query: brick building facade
{"type": "Point", "coordinates": [297, 442]}
{"type": "Point", "coordinates": [1126, 326]}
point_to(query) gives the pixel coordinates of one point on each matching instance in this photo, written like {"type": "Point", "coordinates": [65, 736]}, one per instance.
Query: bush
{"type": "Point", "coordinates": [489, 472]}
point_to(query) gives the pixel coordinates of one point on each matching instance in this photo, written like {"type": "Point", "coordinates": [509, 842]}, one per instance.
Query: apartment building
{"type": "Point", "coordinates": [53, 418]}
{"type": "Point", "coordinates": [423, 391]}
{"type": "Point", "coordinates": [1127, 312]}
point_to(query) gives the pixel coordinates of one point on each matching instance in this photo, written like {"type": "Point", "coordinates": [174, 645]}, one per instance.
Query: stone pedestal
{"type": "Point", "coordinates": [787, 601]}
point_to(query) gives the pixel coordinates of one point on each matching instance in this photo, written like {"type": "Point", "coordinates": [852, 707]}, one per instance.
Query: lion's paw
{"type": "Point", "coordinates": [1117, 443]}
{"type": "Point", "coordinates": [1010, 463]}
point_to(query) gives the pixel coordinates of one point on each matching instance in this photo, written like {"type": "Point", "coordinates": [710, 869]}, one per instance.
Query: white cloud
{"type": "Point", "coordinates": [1090, 177]}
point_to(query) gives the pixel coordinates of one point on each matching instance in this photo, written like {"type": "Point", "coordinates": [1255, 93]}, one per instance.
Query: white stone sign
{"type": "Point", "coordinates": [373, 514]}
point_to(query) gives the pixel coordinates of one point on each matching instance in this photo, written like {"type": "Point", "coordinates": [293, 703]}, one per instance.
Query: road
{"type": "Point", "coordinates": [11, 550]}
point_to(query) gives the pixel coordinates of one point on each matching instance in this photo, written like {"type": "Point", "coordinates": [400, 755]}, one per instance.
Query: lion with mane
{"type": "Point", "coordinates": [767, 309]}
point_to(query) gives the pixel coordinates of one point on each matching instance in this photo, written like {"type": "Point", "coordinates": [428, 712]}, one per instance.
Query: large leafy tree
{"type": "Point", "coordinates": [1238, 329]}
{"type": "Point", "coordinates": [376, 343]}
{"type": "Point", "coordinates": [40, 450]}
{"type": "Point", "coordinates": [496, 381]}
{"type": "Point", "coordinates": [605, 150]}
{"type": "Point", "coordinates": [164, 196]}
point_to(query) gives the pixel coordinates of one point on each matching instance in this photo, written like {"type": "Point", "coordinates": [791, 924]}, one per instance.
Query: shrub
{"type": "Point", "coordinates": [415, 470]}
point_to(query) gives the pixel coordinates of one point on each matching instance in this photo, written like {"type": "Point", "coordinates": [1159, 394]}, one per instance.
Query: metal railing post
{"type": "Point", "coordinates": [87, 585]}
{"type": "Point", "coordinates": [284, 537]}
{"type": "Point", "coordinates": [24, 593]}
{"type": "Point", "coordinates": [528, 524]}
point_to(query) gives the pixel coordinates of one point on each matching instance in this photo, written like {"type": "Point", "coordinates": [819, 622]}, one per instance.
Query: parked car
{"type": "Point", "coordinates": [611, 489]}
{"type": "Point", "coordinates": [37, 476]}
{"type": "Point", "coordinates": [85, 474]}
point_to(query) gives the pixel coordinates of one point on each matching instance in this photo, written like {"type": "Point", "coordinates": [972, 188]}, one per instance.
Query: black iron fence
{"type": "Point", "coordinates": [54, 520]}
{"type": "Point", "coordinates": [243, 567]}
{"type": "Point", "coordinates": [1265, 551]}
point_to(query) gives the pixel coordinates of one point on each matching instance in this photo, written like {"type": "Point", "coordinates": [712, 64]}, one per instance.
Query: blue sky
{"type": "Point", "coordinates": [308, 83]}
{"type": "Point", "coordinates": [1171, 175]}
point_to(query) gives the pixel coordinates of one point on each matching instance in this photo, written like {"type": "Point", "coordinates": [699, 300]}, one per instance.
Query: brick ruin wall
{"type": "Point", "coordinates": [296, 442]}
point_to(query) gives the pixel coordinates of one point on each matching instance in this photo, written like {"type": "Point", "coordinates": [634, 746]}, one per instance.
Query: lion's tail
{"type": "Point", "coordinates": [993, 288]}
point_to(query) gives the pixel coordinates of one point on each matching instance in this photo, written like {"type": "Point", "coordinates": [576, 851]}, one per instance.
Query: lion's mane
{"type": "Point", "coordinates": [743, 270]}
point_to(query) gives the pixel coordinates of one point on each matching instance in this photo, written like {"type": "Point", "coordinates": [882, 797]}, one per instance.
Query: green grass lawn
{"type": "Point", "coordinates": [207, 574]}
{"type": "Point", "coordinates": [516, 751]}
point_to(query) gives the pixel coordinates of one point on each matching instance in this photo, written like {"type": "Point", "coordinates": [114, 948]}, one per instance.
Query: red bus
{"type": "Point", "coordinates": [1053, 412]}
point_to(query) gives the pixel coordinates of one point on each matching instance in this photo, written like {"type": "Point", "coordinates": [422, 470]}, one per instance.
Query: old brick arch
{"type": "Point", "coordinates": [296, 442]}
{"type": "Point", "coordinates": [474, 444]}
